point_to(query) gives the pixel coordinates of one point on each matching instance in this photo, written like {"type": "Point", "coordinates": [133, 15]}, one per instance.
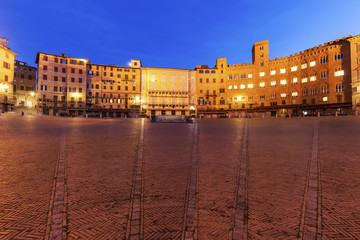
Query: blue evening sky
{"type": "Point", "coordinates": [172, 33]}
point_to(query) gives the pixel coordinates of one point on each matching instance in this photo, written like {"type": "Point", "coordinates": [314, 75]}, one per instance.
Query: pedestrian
{"type": "Point", "coordinates": [22, 113]}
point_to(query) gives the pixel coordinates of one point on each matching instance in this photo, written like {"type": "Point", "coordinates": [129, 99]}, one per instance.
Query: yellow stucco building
{"type": "Point", "coordinates": [7, 59]}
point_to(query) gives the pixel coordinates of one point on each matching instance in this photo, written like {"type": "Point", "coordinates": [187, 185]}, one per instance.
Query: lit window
{"type": "Point", "coordinates": [283, 82]}
{"type": "Point", "coordinates": [242, 86]}
{"type": "Point", "coordinates": [250, 85]}
{"type": "Point", "coordinates": [294, 94]}
{"type": "Point", "coordinates": [283, 95]}
{"type": "Point", "coordinates": [273, 96]}
{"type": "Point", "coordinates": [272, 72]}
{"type": "Point", "coordinates": [230, 87]}
{"type": "Point", "coordinates": [250, 75]}
{"type": "Point", "coordinates": [339, 72]}
{"type": "Point", "coordinates": [242, 98]}
{"type": "Point", "coordinates": [262, 74]}
{"type": "Point", "coordinates": [312, 63]}
{"type": "Point", "coordinates": [303, 65]}
{"type": "Point", "coordinates": [294, 80]}
{"type": "Point", "coordinates": [312, 78]}
{"type": "Point", "coordinates": [282, 70]}
{"type": "Point", "coordinates": [293, 68]}
{"type": "Point", "coordinates": [273, 83]}
{"type": "Point", "coordinates": [304, 80]}
{"type": "Point", "coordinates": [235, 87]}
{"type": "Point", "coordinates": [262, 84]}
{"type": "Point", "coordinates": [325, 99]}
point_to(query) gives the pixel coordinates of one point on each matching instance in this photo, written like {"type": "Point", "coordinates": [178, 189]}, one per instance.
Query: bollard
{"type": "Point", "coordinates": [336, 114]}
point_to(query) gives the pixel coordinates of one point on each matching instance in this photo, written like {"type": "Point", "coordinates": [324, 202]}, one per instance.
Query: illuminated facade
{"type": "Point", "coordinates": [168, 91]}
{"type": "Point", "coordinates": [324, 79]}
{"type": "Point", "coordinates": [7, 58]}
{"type": "Point", "coordinates": [113, 91]}
{"type": "Point", "coordinates": [61, 84]}
{"type": "Point", "coordinates": [24, 85]}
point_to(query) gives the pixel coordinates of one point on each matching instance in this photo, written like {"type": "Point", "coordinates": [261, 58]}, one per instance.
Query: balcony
{"type": "Point", "coordinates": [168, 93]}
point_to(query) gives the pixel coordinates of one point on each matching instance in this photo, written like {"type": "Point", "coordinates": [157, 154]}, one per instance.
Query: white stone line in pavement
{"type": "Point", "coordinates": [189, 231]}
{"type": "Point", "coordinates": [241, 208]}
{"type": "Point", "coordinates": [310, 226]}
{"type": "Point", "coordinates": [57, 208]}
{"type": "Point", "coordinates": [135, 223]}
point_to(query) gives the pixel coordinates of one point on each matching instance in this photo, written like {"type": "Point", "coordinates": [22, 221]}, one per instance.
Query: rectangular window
{"type": "Point", "coordinates": [45, 77]}
{"type": "Point", "coordinates": [283, 95]}
{"type": "Point", "coordinates": [294, 68]}
{"type": "Point", "coordinates": [273, 83]}
{"type": "Point", "coordinates": [303, 65]}
{"type": "Point", "coordinates": [242, 86]}
{"type": "Point", "coordinates": [229, 77]}
{"type": "Point", "coordinates": [339, 72]}
{"type": "Point", "coordinates": [250, 85]}
{"type": "Point", "coordinates": [283, 82]}
{"type": "Point", "coordinates": [312, 78]}
{"type": "Point", "coordinates": [45, 68]}
{"type": "Point", "coordinates": [55, 78]}
{"type": "Point", "coordinates": [250, 75]}
{"type": "Point", "coordinates": [63, 70]}
{"type": "Point", "coordinates": [273, 96]}
{"type": "Point", "coordinates": [261, 74]}
{"type": "Point", "coordinates": [72, 79]}
{"type": "Point", "coordinates": [63, 79]}
{"type": "Point", "coordinates": [325, 99]}
{"type": "Point", "coordinates": [56, 69]}
{"type": "Point", "coordinates": [304, 80]}
{"type": "Point", "coordinates": [262, 97]}
{"type": "Point", "coordinates": [80, 80]}
{"type": "Point", "coordinates": [242, 76]}
{"type": "Point", "coordinates": [283, 70]}
{"type": "Point", "coordinates": [312, 63]}
{"type": "Point", "coordinates": [272, 72]}
{"type": "Point", "coordinates": [294, 94]}
{"type": "Point", "coordinates": [294, 80]}
{"type": "Point", "coordinates": [262, 84]}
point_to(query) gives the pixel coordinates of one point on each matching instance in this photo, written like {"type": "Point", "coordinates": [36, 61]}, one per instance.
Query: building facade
{"type": "Point", "coordinates": [168, 91]}
{"type": "Point", "coordinates": [61, 84]}
{"type": "Point", "coordinates": [318, 80]}
{"type": "Point", "coordinates": [7, 59]}
{"type": "Point", "coordinates": [113, 91]}
{"type": "Point", "coordinates": [322, 80]}
{"type": "Point", "coordinates": [24, 87]}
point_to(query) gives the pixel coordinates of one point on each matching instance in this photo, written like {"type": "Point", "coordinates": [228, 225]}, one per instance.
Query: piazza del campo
{"type": "Point", "coordinates": [261, 150]}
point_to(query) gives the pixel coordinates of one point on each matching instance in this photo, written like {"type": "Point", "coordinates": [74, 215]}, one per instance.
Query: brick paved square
{"type": "Point", "coordinates": [100, 170]}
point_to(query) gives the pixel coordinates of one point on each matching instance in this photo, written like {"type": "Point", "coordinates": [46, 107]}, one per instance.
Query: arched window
{"type": "Point", "coordinates": [324, 89]}
{"type": "Point", "coordinates": [313, 91]}
{"type": "Point", "coordinates": [212, 71]}
{"type": "Point", "coordinates": [207, 71]}
{"type": "Point", "coordinates": [201, 71]}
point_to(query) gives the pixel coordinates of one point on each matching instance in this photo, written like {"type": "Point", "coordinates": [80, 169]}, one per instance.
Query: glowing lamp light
{"type": "Point", "coordinates": [32, 94]}
{"type": "Point", "coordinates": [76, 95]}
{"type": "Point", "coordinates": [192, 108]}
{"type": "Point", "coordinates": [129, 64]}
{"type": "Point", "coordinates": [137, 99]}
{"type": "Point", "coordinates": [144, 106]}
{"type": "Point", "coordinates": [6, 86]}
